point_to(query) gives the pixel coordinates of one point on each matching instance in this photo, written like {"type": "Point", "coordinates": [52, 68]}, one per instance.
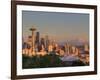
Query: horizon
{"type": "Point", "coordinates": [57, 25]}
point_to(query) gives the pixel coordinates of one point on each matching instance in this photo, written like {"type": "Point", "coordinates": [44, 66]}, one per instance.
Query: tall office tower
{"type": "Point", "coordinates": [37, 40]}
{"type": "Point", "coordinates": [47, 41]}
{"type": "Point", "coordinates": [30, 41]}
{"type": "Point", "coordinates": [43, 42]}
{"type": "Point", "coordinates": [66, 48]}
{"type": "Point", "coordinates": [53, 42]}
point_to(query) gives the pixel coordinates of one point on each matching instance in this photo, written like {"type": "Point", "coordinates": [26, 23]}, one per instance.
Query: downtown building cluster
{"type": "Point", "coordinates": [41, 46]}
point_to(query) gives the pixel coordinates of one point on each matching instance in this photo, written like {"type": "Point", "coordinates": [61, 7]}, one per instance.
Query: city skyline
{"type": "Point", "coordinates": [58, 26]}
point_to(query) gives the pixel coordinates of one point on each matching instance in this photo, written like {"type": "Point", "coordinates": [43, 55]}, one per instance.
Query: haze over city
{"type": "Point", "coordinates": [59, 26]}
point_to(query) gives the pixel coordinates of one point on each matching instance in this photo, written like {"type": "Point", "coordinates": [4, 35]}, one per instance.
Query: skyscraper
{"type": "Point", "coordinates": [37, 39]}
{"type": "Point", "coordinates": [47, 41]}
{"type": "Point", "coordinates": [43, 42]}
{"type": "Point", "coordinates": [30, 41]}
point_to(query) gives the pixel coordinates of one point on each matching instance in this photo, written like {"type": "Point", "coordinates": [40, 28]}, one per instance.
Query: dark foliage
{"type": "Point", "coordinates": [46, 61]}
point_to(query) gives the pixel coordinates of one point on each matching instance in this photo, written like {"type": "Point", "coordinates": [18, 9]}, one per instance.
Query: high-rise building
{"type": "Point", "coordinates": [37, 39]}
{"type": "Point", "coordinates": [43, 42]}
{"type": "Point", "coordinates": [30, 41]}
{"type": "Point", "coordinates": [47, 42]}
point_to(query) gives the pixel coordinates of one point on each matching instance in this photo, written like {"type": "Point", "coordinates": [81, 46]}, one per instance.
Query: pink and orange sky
{"type": "Point", "coordinates": [58, 26]}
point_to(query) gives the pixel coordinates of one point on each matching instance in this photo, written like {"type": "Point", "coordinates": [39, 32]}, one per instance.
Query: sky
{"type": "Point", "coordinates": [58, 26]}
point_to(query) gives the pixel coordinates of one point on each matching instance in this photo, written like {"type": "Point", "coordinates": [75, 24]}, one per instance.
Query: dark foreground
{"type": "Point", "coordinates": [47, 61]}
